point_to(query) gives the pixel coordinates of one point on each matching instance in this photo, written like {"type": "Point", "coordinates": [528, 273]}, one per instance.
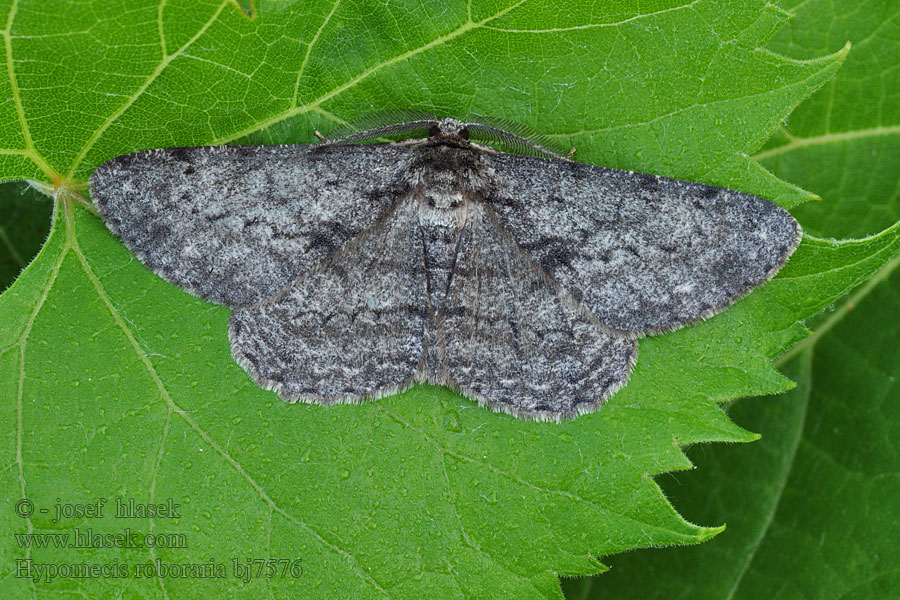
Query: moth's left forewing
{"type": "Point", "coordinates": [643, 253]}
{"type": "Point", "coordinates": [351, 329]}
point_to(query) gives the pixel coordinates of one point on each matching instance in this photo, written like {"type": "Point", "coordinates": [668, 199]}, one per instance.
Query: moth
{"type": "Point", "coordinates": [522, 280]}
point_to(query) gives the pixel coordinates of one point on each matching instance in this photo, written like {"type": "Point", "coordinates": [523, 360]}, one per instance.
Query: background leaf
{"type": "Point", "coordinates": [117, 385]}
{"type": "Point", "coordinates": [24, 223]}
{"type": "Point", "coordinates": [811, 508]}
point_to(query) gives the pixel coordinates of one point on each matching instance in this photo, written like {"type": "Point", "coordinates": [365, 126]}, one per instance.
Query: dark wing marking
{"type": "Point", "coordinates": [643, 253]}
{"type": "Point", "coordinates": [235, 224]}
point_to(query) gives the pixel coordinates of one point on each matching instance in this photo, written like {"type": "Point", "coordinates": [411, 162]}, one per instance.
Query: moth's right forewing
{"type": "Point", "coordinates": [236, 224]}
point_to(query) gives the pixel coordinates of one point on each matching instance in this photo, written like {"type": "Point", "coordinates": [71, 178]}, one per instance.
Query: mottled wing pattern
{"type": "Point", "coordinates": [518, 344]}
{"type": "Point", "coordinates": [350, 329]}
{"type": "Point", "coordinates": [643, 253]}
{"type": "Point", "coordinates": [235, 224]}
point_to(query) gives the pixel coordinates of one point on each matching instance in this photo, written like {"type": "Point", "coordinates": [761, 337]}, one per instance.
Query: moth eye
{"type": "Point", "coordinates": [464, 133]}
{"type": "Point", "coordinates": [434, 131]}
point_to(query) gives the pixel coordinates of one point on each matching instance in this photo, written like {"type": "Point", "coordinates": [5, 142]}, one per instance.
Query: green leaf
{"type": "Point", "coordinates": [118, 385]}
{"type": "Point", "coordinates": [811, 508]}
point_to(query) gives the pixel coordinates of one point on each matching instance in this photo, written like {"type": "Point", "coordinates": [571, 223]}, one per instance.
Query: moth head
{"type": "Point", "coordinates": [449, 130]}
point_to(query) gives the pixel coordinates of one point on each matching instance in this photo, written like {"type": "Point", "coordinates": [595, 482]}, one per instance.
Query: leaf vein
{"type": "Point", "coordinates": [130, 100]}
{"type": "Point", "coordinates": [152, 492]}
{"type": "Point", "coordinates": [20, 391]}
{"type": "Point", "coordinates": [29, 149]}
{"type": "Point", "coordinates": [309, 48]}
{"type": "Point", "coordinates": [684, 109]}
{"type": "Point", "coordinates": [159, 26]}
{"type": "Point", "coordinates": [315, 104]}
{"type": "Point", "coordinates": [597, 25]}
{"type": "Point", "coordinates": [828, 138]}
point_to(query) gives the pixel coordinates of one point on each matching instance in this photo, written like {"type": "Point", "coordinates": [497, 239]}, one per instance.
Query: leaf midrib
{"type": "Point", "coordinates": [796, 143]}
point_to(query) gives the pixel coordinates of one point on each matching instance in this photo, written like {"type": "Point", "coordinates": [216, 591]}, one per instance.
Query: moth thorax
{"type": "Point", "coordinates": [438, 165]}
{"type": "Point", "coordinates": [442, 207]}
{"type": "Point", "coordinates": [439, 199]}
